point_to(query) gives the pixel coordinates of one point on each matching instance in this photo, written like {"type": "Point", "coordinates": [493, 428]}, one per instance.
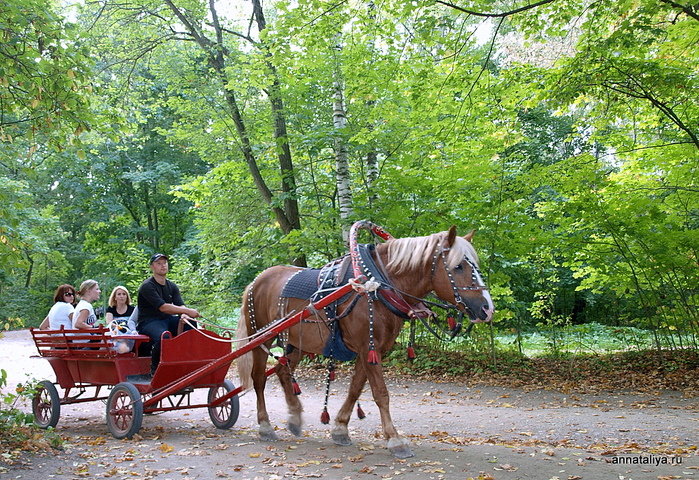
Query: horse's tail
{"type": "Point", "coordinates": [244, 362]}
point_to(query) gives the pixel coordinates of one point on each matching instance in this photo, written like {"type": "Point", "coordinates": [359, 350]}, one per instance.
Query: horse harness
{"type": "Point", "coordinates": [367, 263]}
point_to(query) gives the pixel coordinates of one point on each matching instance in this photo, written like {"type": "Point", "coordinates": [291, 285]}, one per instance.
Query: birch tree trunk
{"type": "Point", "coordinates": [342, 171]}
{"type": "Point", "coordinates": [372, 173]}
{"type": "Point", "coordinates": [372, 162]}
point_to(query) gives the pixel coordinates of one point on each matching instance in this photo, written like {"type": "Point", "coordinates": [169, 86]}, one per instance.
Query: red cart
{"type": "Point", "coordinates": [192, 360]}
{"type": "Point", "coordinates": [87, 365]}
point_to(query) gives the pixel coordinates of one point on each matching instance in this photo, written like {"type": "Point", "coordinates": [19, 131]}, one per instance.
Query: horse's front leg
{"type": "Point", "coordinates": [259, 380]}
{"type": "Point", "coordinates": [340, 432]}
{"type": "Point", "coordinates": [397, 445]}
{"type": "Point", "coordinates": [293, 403]}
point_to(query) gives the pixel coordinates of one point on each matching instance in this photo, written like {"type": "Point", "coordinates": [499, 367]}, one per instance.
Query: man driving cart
{"type": "Point", "coordinates": [160, 307]}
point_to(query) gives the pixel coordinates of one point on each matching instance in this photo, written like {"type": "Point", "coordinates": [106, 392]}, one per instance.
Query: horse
{"type": "Point", "coordinates": [443, 263]}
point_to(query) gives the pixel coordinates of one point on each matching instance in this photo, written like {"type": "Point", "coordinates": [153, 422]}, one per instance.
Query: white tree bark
{"type": "Point", "coordinates": [372, 172]}
{"type": "Point", "coordinates": [372, 161]}
{"type": "Point", "coordinates": [342, 171]}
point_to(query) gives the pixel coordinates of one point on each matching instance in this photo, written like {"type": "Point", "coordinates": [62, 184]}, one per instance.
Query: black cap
{"type": "Point", "coordinates": [157, 256]}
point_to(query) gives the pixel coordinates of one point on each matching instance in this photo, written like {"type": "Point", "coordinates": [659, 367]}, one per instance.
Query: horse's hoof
{"type": "Point", "coordinates": [341, 439]}
{"type": "Point", "coordinates": [402, 451]}
{"type": "Point", "coordinates": [295, 429]}
{"type": "Point", "coordinates": [268, 436]}
{"type": "Point", "coordinates": [400, 448]}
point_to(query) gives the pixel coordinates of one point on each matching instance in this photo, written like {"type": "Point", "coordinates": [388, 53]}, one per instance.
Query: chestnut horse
{"type": "Point", "coordinates": [443, 263]}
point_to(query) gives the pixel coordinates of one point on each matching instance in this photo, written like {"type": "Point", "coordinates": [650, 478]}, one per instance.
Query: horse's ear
{"type": "Point", "coordinates": [451, 236]}
{"type": "Point", "coordinates": [469, 235]}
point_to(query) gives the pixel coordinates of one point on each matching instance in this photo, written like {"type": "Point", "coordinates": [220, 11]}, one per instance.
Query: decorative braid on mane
{"type": "Point", "coordinates": [412, 252]}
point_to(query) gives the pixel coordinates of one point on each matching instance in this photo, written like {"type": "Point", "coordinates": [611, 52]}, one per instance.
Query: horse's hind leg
{"type": "Point", "coordinates": [340, 432]}
{"type": "Point", "coordinates": [292, 400]}
{"type": "Point", "coordinates": [259, 379]}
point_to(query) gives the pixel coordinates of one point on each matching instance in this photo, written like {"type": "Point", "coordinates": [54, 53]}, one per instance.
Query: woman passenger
{"type": "Point", "coordinates": [61, 313]}
{"type": "Point", "coordinates": [120, 309]}
{"type": "Point", "coordinates": [84, 317]}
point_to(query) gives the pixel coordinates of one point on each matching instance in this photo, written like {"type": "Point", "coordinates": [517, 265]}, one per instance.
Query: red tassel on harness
{"type": "Point", "coordinates": [310, 355]}
{"type": "Point", "coordinates": [373, 358]}
{"type": "Point", "coordinates": [411, 353]}
{"type": "Point", "coordinates": [451, 322]}
{"type": "Point", "coordinates": [325, 417]}
{"type": "Point", "coordinates": [283, 360]}
{"type": "Point", "coordinates": [331, 375]}
{"type": "Point", "coordinates": [360, 412]}
{"type": "Point", "coordinates": [296, 388]}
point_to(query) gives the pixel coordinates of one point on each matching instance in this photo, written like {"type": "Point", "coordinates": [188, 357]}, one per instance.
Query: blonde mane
{"type": "Point", "coordinates": [412, 252]}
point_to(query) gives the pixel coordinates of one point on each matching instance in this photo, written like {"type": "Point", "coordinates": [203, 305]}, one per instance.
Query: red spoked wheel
{"type": "Point", "coordinates": [225, 415]}
{"type": "Point", "coordinates": [124, 411]}
{"type": "Point", "coordinates": [46, 405]}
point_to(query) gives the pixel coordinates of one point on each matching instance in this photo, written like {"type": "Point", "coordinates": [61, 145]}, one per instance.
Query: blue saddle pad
{"type": "Point", "coordinates": [302, 284]}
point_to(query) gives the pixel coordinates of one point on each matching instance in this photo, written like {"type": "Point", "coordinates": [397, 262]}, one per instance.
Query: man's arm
{"type": "Point", "coordinates": [171, 309]}
{"type": "Point", "coordinates": [177, 307]}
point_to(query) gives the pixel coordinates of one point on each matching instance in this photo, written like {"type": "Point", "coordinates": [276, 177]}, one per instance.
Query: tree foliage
{"type": "Point", "coordinates": [564, 131]}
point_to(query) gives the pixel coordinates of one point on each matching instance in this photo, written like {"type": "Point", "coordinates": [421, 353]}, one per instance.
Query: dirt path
{"type": "Point", "coordinates": [457, 432]}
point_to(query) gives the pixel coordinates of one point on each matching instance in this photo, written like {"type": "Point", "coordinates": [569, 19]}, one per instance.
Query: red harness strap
{"type": "Point", "coordinates": [419, 310]}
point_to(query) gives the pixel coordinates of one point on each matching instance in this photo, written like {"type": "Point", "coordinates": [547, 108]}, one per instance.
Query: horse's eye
{"type": "Point", "coordinates": [459, 268]}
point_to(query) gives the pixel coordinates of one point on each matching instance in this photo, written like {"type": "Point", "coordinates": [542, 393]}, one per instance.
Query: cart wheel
{"type": "Point", "coordinates": [224, 415]}
{"type": "Point", "coordinates": [46, 405]}
{"type": "Point", "coordinates": [124, 411]}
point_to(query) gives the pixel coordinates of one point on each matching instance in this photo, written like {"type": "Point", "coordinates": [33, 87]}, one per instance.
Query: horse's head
{"type": "Point", "coordinates": [456, 278]}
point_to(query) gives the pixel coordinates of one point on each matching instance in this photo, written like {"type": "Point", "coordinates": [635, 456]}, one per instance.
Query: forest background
{"type": "Point", "coordinates": [234, 136]}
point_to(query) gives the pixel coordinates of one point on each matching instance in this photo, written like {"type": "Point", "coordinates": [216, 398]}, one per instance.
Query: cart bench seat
{"type": "Point", "coordinates": [93, 361]}
{"type": "Point", "coordinates": [77, 344]}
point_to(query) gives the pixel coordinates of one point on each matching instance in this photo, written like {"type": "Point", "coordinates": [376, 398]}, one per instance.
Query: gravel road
{"type": "Point", "coordinates": [457, 432]}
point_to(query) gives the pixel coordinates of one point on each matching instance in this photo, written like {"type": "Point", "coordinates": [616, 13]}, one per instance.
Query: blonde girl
{"type": "Point", "coordinates": [84, 317]}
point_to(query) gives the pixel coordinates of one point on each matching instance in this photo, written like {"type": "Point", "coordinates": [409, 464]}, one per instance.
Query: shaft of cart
{"type": "Point", "coordinates": [272, 332]}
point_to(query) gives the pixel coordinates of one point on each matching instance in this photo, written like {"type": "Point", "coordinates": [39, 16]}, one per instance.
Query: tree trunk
{"type": "Point", "coordinates": [286, 165]}
{"type": "Point", "coordinates": [372, 160]}
{"type": "Point", "coordinates": [342, 171]}
{"type": "Point", "coordinates": [30, 271]}
{"type": "Point", "coordinates": [149, 216]}
{"type": "Point", "coordinates": [372, 174]}
{"type": "Point", "coordinates": [156, 225]}
{"type": "Point", "coordinates": [287, 217]}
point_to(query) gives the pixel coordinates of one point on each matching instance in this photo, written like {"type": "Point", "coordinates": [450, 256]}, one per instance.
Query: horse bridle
{"type": "Point", "coordinates": [440, 253]}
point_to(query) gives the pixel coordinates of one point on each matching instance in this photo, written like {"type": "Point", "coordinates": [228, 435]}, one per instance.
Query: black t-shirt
{"type": "Point", "coordinates": [152, 295]}
{"type": "Point", "coordinates": [115, 314]}
{"type": "Point", "coordinates": [122, 319]}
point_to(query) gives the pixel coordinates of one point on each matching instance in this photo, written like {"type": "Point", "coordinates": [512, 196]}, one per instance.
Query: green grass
{"type": "Point", "coordinates": [592, 338]}
{"type": "Point", "coordinates": [588, 339]}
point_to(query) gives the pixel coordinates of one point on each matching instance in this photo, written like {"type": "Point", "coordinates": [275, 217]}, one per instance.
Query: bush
{"type": "Point", "coordinates": [17, 432]}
